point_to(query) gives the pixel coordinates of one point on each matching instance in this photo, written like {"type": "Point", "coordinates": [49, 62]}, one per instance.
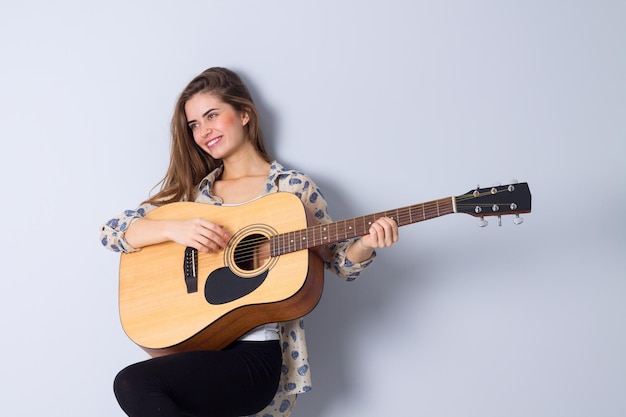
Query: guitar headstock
{"type": "Point", "coordinates": [496, 201]}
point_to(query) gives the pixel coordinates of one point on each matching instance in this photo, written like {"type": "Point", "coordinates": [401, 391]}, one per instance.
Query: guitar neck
{"type": "Point", "coordinates": [328, 233]}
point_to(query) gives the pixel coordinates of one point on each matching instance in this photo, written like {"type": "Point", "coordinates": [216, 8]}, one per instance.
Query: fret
{"type": "Point", "coordinates": [311, 236]}
{"type": "Point", "coordinates": [339, 235]}
{"type": "Point", "coordinates": [341, 231]}
{"type": "Point", "coordinates": [291, 242]}
{"type": "Point", "coordinates": [368, 220]}
{"type": "Point", "coordinates": [319, 239]}
{"type": "Point", "coordinates": [350, 228]}
{"type": "Point", "coordinates": [358, 230]}
{"type": "Point", "coordinates": [303, 240]}
{"type": "Point", "coordinates": [432, 207]}
{"type": "Point", "coordinates": [323, 234]}
{"type": "Point", "coordinates": [396, 217]}
{"type": "Point", "coordinates": [281, 244]}
{"type": "Point", "coordinates": [320, 231]}
{"type": "Point", "coordinates": [297, 240]}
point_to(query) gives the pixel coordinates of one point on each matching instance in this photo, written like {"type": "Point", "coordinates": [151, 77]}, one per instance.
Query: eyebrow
{"type": "Point", "coordinates": [203, 115]}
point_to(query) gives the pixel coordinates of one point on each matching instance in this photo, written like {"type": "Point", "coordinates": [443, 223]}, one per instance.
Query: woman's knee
{"type": "Point", "coordinates": [127, 383]}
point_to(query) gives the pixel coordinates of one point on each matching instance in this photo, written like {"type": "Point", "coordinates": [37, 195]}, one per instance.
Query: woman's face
{"type": "Point", "coordinates": [216, 126]}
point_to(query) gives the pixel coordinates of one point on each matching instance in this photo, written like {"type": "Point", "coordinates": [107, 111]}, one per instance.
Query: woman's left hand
{"type": "Point", "coordinates": [382, 233]}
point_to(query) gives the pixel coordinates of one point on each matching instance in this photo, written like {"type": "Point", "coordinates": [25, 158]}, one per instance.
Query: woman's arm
{"type": "Point", "coordinates": [130, 231]}
{"type": "Point", "coordinates": [198, 233]}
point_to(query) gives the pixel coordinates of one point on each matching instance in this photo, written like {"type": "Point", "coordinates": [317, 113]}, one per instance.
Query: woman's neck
{"type": "Point", "coordinates": [242, 180]}
{"type": "Point", "coordinates": [244, 166]}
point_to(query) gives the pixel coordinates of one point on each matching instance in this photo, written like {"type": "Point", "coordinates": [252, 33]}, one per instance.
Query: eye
{"type": "Point", "coordinates": [212, 116]}
{"type": "Point", "coordinates": [193, 126]}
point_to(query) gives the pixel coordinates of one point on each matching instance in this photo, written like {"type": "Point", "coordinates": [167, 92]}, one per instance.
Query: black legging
{"type": "Point", "coordinates": [237, 381]}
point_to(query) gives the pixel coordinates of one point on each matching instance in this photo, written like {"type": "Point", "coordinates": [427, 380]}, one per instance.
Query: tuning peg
{"type": "Point", "coordinates": [514, 181]}
{"type": "Point", "coordinates": [483, 222]}
{"type": "Point", "coordinates": [499, 220]}
{"type": "Point", "coordinates": [518, 219]}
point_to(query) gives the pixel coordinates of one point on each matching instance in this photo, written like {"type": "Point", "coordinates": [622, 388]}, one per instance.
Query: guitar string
{"type": "Point", "coordinates": [249, 246]}
{"type": "Point", "coordinates": [429, 210]}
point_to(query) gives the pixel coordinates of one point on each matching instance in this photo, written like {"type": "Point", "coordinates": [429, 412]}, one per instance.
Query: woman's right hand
{"type": "Point", "coordinates": [198, 233]}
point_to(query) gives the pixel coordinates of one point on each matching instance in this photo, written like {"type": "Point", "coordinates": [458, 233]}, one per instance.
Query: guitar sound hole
{"type": "Point", "coordinates": [252, 252]}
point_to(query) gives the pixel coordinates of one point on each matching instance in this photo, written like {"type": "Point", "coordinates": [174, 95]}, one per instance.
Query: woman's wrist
{"type": "Point", "coordinates": [359, 252]}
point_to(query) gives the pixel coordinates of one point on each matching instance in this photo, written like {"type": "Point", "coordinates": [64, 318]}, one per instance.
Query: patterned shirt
{"type": "Point", "coordinates": [295, 370]}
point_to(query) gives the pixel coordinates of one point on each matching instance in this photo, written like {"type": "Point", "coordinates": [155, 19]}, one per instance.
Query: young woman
{"type": "Point", "coordinates": [218, 157]}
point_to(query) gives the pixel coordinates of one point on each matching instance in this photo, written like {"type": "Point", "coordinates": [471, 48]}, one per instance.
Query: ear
{"type": "Point", "coordinates": [245, 118]}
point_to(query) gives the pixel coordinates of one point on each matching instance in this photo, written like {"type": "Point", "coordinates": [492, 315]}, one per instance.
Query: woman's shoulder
{"type": "Point", "coordinates": [296, 182]}
{"type": "Point", "coordinates": [281, 173]}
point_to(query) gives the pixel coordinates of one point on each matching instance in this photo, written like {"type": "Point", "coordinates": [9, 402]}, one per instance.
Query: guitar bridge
{"type": "Point", "coordinates": [190, 269]}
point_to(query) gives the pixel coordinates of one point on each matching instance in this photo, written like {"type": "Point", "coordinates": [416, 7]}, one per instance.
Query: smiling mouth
{"type": "Point", "coordinates": [213, 141]}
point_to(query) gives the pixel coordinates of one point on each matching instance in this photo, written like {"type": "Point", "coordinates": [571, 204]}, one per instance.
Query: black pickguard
{"type": "Point", "coordinates": [223, 286]}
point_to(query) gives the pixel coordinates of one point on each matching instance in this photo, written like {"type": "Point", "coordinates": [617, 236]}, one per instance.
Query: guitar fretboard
{"type": "Point", "coordinates": [325, 234]}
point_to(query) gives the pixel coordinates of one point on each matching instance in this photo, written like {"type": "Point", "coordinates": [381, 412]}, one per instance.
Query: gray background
{"type": "Point", "coordinates": [384, 104]}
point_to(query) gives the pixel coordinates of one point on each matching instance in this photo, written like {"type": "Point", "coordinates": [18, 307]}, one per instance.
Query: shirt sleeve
{"type": "Point", "coordinates": [334, 256]}
{"type": "Point", "coordinates": [112, 233]}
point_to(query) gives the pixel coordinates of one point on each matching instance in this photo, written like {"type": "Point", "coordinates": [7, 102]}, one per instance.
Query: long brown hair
{"type": "Point", "coordinates": [189, 164]}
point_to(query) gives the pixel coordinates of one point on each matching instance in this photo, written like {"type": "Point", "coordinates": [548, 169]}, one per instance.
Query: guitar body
{"type": "Point", "coordinates": [163, 313]}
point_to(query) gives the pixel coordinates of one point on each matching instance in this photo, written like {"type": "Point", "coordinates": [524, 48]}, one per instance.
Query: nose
{"type": "Point", "coordinates": [206, 130]}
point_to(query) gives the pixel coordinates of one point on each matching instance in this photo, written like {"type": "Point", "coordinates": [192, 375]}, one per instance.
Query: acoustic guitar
{"type": "Point", "coordinates": [173, 298]}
